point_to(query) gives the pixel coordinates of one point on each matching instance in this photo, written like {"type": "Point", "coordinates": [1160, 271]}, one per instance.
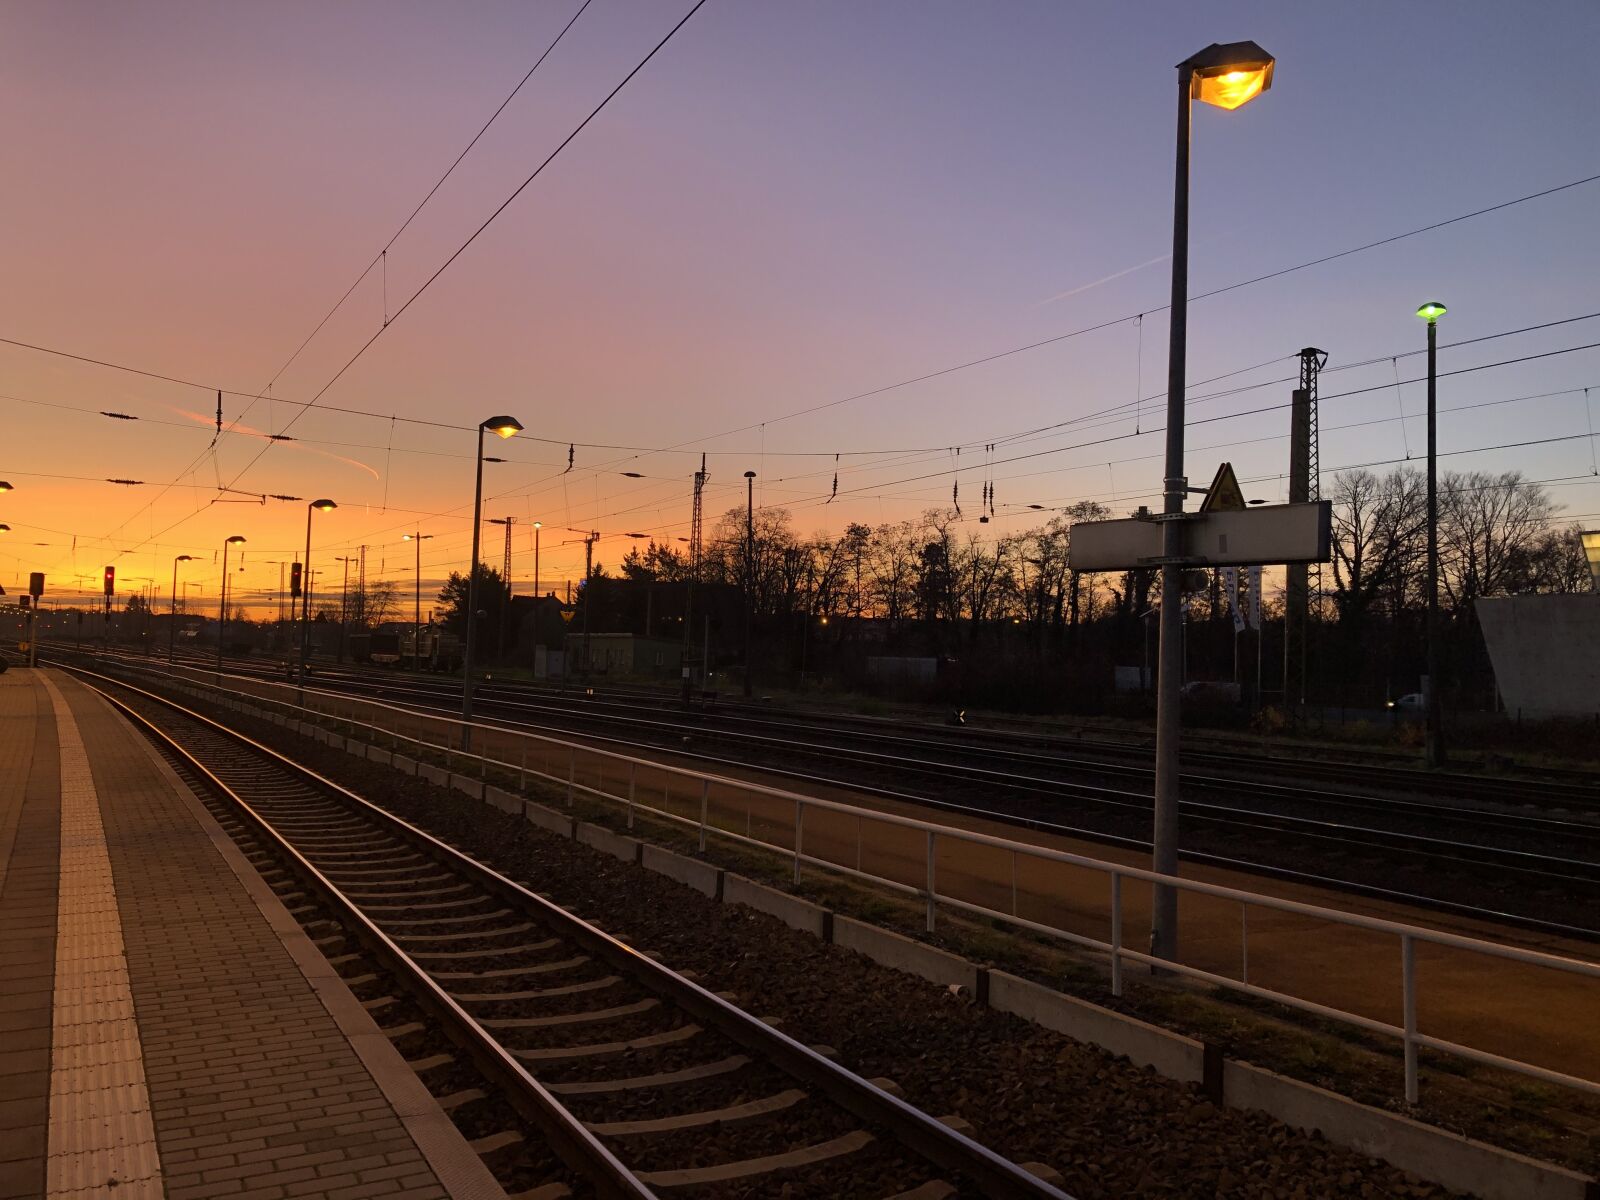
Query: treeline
{"type": "Point", "coordinates": [1010, 607]}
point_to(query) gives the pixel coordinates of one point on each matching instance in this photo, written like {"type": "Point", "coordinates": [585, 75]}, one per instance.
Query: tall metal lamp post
{"type": "Point", "coordinates": [502, 427]}
{"type": "Point", "coordinates": [222, 601]}
{"type": "Point", "coordinates": [1226, 76]}
{"type": "Point", "coordinates": [172, 628]}
{"type": "Point", "coordinates": [1433, 736]}
{"type": "Point", "coordinates": [749, 574]}
{"type": "Point", "coordinates": [416, 643]}
{"type": "Point", "coordinates": [305, 590]}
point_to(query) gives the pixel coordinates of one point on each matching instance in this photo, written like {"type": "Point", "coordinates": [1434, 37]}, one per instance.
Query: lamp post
{"type": "Point", "coordinates": [749, 572]}
{"type": "Point", "coordinates": [416, 638]}
{"type": "Point", "coordinates": [172, 628]}
{"type": "Point", "coordinates": [1226, 76]}
{"type": "Point", "coordinates": [1433, 737]}
{"type": "Point", "coordinates": [222, 596]}
{"type": "Point", "coordinates": [502, 427]}
{"type": "Point", "coordinates": [305, 590]}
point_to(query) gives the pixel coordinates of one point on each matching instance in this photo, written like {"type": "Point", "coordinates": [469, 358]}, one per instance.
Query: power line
{"type": "Point", "coordinates": [404, 225]}
{"type": "Point", "coordinates": [459, 250]}
{"type": "Point", "coordinates": [1061, 337]}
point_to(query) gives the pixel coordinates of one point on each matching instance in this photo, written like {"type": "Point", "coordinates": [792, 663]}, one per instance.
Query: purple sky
{"type": "Point", "coordinates": [790, 205]}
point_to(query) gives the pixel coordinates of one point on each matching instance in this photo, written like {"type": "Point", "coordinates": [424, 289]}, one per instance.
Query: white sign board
{"type": "Point", "coordinates": [1275, 533]}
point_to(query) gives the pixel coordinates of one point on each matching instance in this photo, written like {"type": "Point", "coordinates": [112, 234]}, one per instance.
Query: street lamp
{"type": "Point", "coordinates": [222, 597]}
{"type": "Point", "coordinates": [501, 427]}
{"type": "Point", "coordinates": [305, 590]}
{"type": "Point", "coordinates": [749, 570]}
{"type": "Point", "coordinates": [1433, 736]}
{"type": "Point", "coordinates": [416, 644]}
{"type": "Point", "coordinates": [172, 629]}
{"type": "Point", "coordinates": [4, 486]}
{"type": "Point", "coordinates": [1225, 76]}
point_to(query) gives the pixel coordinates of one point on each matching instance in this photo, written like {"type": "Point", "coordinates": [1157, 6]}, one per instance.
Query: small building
{"type": "Point", "coordinates": [624, 654]}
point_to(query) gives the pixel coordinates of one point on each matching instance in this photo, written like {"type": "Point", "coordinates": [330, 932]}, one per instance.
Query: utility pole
{"type": "Point", "coordinates": [696, 544]}
{"type": "Point", "coordinates": [1304, 485]}
{"type": "Point", "coordinates": [505, 579]}
{"type": "Point", "coordinates": [588, 594]}
{"type": "Point", "coordinates": [749, 574]}
{"type": "Point", "coordinates": [344, 603]}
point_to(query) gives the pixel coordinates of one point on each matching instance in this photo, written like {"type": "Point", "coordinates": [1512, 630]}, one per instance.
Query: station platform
{"type": "Point", "coordinates": [166, 1027]}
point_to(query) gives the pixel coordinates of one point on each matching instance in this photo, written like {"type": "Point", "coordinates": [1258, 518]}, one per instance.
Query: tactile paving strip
{"type": "Point", "coordinates": [102, 1135]}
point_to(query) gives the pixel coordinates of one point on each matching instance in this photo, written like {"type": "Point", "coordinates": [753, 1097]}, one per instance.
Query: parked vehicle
{"type": "Point", "coordinates": [383, 649]}
{"type": "Point", "coordinates": [1411, 702]}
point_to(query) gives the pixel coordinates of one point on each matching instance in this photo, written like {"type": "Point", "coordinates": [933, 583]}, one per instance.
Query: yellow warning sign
{"type": "Point", "coordinates": [567, 614]}
{"type": "Point", "coordinates": [1224, 495]}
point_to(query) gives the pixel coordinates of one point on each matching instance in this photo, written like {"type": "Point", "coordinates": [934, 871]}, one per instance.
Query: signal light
{"type": "Point", "coordinates": [294, 580]}
{"type": "Point", "coordinates": [111, 581]}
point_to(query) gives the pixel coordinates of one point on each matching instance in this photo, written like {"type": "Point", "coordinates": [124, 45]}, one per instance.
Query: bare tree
{"type": "Point", "coordinates": [1488, 525]}
{"type": "Point", "coordinates": [1378, 527]}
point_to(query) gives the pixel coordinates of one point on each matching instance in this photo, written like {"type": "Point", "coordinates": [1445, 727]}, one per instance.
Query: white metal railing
{"type": "Point", "coordinates": [1409, 936]}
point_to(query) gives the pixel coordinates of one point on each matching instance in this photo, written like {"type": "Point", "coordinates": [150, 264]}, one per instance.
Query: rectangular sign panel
{"type": "Point", "coordinates": [1272, 534]}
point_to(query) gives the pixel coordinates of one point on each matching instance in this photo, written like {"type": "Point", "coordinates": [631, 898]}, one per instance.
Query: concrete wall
{"type": "Point", "coordinates": [1546, 653]}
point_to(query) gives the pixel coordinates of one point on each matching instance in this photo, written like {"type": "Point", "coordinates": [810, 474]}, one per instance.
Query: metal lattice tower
{"type": "Point", "coordinates": [696, 545]}
{"type": "Point", "coordinates": [1312, 361]}
{"type": "Point", "coordinates": [1300, 588]}
{"type": "Point", "coordinates": [505, 570]}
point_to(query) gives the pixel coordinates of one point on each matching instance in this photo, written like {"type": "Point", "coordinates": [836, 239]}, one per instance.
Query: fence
{"type": "Point", "coordinates": [904, 854]}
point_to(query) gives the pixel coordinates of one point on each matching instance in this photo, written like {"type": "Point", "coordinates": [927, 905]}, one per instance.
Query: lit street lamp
{"type": "Point", "coordinates": [172, 629]}
{"type": "Point", "coordinates": [305, 590]}
{"type": "Point", "coordinates": [1433, 738]}
{"type": "Point", "coordinates": [222, 596]}
{"type": "Point", "coordinates": [416, 644]}
{"type": "Point", "coordinates": [502, 427]}
{"type": "Point", "coordinates": [1225, 76]}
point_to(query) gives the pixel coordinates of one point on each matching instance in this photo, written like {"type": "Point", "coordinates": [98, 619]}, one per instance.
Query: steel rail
{"type": "Point", "coordinates": [1414, 899]}
{"type": "Point", "coordinates": [947, 1148]}
{"type": "Point", "coordinates": [568, 1136]}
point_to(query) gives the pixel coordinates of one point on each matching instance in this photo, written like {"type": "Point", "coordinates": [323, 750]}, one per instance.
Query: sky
{"type": "Point", "coordinates": [787, 212]}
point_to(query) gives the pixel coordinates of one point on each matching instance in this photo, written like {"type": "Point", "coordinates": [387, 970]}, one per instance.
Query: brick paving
{"type": "Point", "coordinates": [262, 1071]}
{"type": "Point", "coordinates": [30, 832]}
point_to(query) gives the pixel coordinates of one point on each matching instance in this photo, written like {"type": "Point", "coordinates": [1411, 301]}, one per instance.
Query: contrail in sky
{"type": "Point", "coordinates": [203, 419]}
{"type": "Point", "coordinates": [1118, 275]}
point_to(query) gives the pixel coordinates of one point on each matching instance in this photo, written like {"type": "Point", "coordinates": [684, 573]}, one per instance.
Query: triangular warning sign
{"type": "Point", "coordinates": [1224, 494]}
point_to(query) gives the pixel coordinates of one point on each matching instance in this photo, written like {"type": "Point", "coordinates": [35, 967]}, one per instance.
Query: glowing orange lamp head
{"type": "Point", "coordinates": [1229, 75]}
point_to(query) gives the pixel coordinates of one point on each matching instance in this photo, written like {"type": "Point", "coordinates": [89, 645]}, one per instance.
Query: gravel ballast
{"type": "Point", "coordinates": [1112, 1129]}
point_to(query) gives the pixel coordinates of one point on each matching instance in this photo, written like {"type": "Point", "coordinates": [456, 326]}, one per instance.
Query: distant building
{"type": "Point", "coordinates": [1546, 653]}
{"type": "Point", "coordinates": [624, 654]}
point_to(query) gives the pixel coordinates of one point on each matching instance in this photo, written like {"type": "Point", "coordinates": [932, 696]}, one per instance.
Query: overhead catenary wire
{"type": "Point", "coordinates": [462, 248]}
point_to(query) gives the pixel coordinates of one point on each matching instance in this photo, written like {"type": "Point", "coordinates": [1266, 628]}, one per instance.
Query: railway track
{"type": "Point", "coordinates": [1209, 763]}
{"type": "Point", "coordinates": [1527, 870]}
{"type": "Point", "coordinates": [639, 1080]}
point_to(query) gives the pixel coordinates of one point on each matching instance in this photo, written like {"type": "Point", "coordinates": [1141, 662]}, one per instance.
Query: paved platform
{"type": "Point", "coordinates": [166, 1027]}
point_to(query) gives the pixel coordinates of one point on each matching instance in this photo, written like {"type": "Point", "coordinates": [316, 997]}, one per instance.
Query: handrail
{"type": "Point", "coordinates": [1409, 935]}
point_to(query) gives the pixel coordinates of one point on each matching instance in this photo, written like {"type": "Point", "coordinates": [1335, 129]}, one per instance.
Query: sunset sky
{"type": "Point", "coordinates": [790, 206]}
